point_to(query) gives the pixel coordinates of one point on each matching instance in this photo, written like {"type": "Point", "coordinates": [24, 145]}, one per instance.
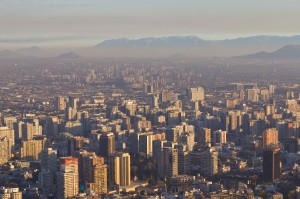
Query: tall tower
{"type": "Point", "coordinates": [47, 175]}
{"type": "Point", "coordinates": [107, 144]}
{"type": "Point", "coordinates": [271, 164]}
{"type": "Point", "coordinates": [61, 103]}
{"type": "Point", "coordinates": [204, 137]}
{"type": "Point", "coordinates": [270, 137]}
{"type": "Point", "coordinates": [169, 162]}
{"type": "Point", "coordinates": [119, 169]}
{"type": "Point", "coordinates": [67, 178]}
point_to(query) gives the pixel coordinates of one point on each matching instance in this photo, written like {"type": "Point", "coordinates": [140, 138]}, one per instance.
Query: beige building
{"type": "Point", "coordinates": [204, 137]}
{"type": "Point", "coordinates": [10, 193]}
{"type": "Point", "coordinates": [120, 169]}
{"type": "Point", "coordinates": [270, 137]}
{"type": "Point", "coordinates": [67, 178]}
{"type": "Point", "coordinates": [99, 182]}
{"type": "Point", "coordinates": [209, 161]}
{"type": "Point", "coordinates": [32, 149]}
{"type": "Point", "coordinates": [5, 150]}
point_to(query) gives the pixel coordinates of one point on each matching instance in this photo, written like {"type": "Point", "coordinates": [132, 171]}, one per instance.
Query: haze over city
{"type": "Point", "coordinates": [149, 99]}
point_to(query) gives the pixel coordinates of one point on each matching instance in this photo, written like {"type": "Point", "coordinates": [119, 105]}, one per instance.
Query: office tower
{"type": "Point", "coordinates": [99, 179]}
{"type": "Point", "coordinates": [119, 169]}
{"type": "Point", "coordinates": [269, 109]}
{"type": "Point", "coordinates": [47, 176]}
{"type": "Point", "coordinates": [209, 161]}
{"type": "Point", "coordinates": [5, 150]}
{"type": "Point", "coordinates": [27, 131]}
{"type": "Point", "coordinates": [145, 144]}
{"type": "Point", "coordinates": [61, 103]}
{"type": "Point", "coordinates": [32, 149]}
{"type": "Point", "coordinates": [10, 193]}
{"type": "Point", "coordinates": [212, 122]}
{"type": "Point", "coordinates": [107, 144]}
{"type": "Point", "coordinates": [154, 101]}
{"type": "Point", "coordinates": [270, 137]}
{"type": "Point", "coordinates": [219, 137]}
{"type": "Point", "coordinates": [169, 163]}
{"type": "Point", "coordinates": [196, 94]}
{"type": "Point", "coordinates": [271, 164]}
{"type": "Point", "coordinates": [204, 137]}
{"type": "Point", "coordinates": [67, 178]}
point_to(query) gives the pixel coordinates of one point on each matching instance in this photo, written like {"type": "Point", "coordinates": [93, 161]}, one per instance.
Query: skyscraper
{"type": "Point", "coordinates": [169, 162]}
{"type": "Point", "coordinates": [47, 176]}
{"type": "Point", "coordinates": [204, 137]}
{"type": "Point", "coordinates": [119, 169]}
{"type": "Point", "coordinates": [61, 103]}
{"type": "Point", "coordinates": [107, 144]}
{"type": "Point", "coordinates": [271, 164]}
{"type": "Point", "coordinates": [67, 178]}
{"type": "Point", "coordinates": [196, 94]}
{"type": "Point", "coordinates": [270, 137]}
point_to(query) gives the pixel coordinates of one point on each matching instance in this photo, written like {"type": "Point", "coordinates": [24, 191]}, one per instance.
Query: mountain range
{"type": "Point", "coordinates": [167, 46]}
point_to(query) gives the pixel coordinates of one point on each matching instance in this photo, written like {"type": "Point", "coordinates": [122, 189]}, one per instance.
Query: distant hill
{"type": "Point", "coordinates": [68, 55]}
{"type": "Point", "coordinates": [31, 51]}
{"type": "Point", "coordinates": [286, 52]}
{"type": "Point", "coordinates": [193, 41]}
{"type": "Point", "coordinates": [191, 46]}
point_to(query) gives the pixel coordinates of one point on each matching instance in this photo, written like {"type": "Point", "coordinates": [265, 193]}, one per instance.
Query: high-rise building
{"type": "Point", "coordinates": [196, 94]}
{"type": "Point", "coordinates": [204, 137]}
{"type": "Point", "coordinates": [9, 133]}
{"type": "Point", "coordinates": [47, 176]}
{"type": "Point", "coordinates": [145, 144]}
{"type": "Point", "coordinates": [169, 163]}
{"type": "Point", "coordinates": [27, 131]}
{"type": "Point", "coordinates": [9, 121]}
{"type": "Point", "coordinates": [119, 169]}
{"type": "Point", "coordinates": [99, 180]}
{"type": "Point", "coordinates": [5, 150]}
{"type": "Point", "coordinates": [88, 163]}
{"type": "Point", "coordinates": [32, 149]}
{"type": "Point", "coordinates": [271, 164]}
{"type": "Point", "coordinates": [154, 101]}
{"type": "Point", "coordinates": [270, 137]}
{"type": "Point", "coordinates": [251, 95]}
{"type": "Point", "coordinates": [61, 103]}
{"type": "Point", "coordinates": [271, 89]}
{"type": "Point", "coordinates": [219, 137]}
{"type": "Point", "coordinates": [209, 161]}
{"type": "Point", "coordinates": [107, 144]}
{"type": "Point", "coordinates": [67, 178]}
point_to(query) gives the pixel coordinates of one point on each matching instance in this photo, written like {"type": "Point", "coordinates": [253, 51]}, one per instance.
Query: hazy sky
{"type": "Point", "coordinates": [88, 22]}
